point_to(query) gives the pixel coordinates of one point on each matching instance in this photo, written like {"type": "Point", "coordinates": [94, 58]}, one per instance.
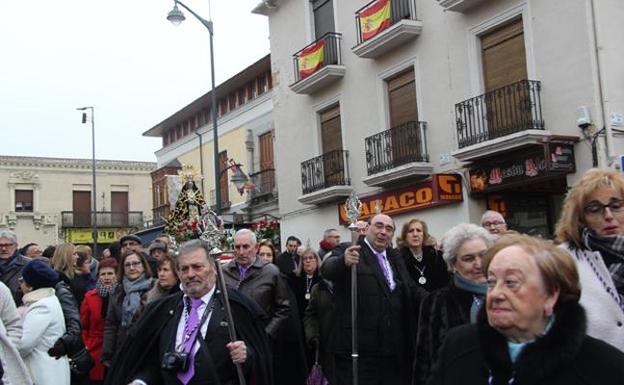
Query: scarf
{"type": "Point", "coordinates": [612, 251]}
{"type": "Point", "coordinates": [104, 293]}
{"type": "Point", "coordinates": [326, 245]}
{"type": "Point", "coordinates": [132, 299]}
{"type": "Point", "coordinates": [478, 291]}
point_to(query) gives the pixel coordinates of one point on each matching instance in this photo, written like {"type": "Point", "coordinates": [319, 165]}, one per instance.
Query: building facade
{"type": "Point", "coordinates": [48, 200]}
{"type": "Point", "coordinates": [441, 109]}
{"type": "Point", "coordinates": [245, 141]}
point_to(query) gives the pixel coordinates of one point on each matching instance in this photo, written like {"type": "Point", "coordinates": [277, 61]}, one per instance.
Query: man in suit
{"type": "Point", "coordinates": [386, 308]}
{"type": "Point", "coordinates": [288, 261]}
{"type": "Point", "coordinates": [193, 323]}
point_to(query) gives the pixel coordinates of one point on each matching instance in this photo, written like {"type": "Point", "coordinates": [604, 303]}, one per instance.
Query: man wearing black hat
{"type": "Point", "coordinates": [131, 242]}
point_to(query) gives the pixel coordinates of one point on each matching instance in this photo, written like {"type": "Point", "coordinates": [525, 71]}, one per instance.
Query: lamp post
{"type": "Point", "coordinates": [176, 17]}
{"type": "Point", "coordinates": [94, 192]}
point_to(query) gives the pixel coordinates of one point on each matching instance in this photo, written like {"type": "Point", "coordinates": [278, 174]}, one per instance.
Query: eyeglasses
{"type": "Point", "coordinates": [6, 245]}
{"type": "Point", "coordinates": [597, 208]}
{"type": "Point", "coordinates": [493, 223]}
{"type": "Point", "coordinates": [129, 265]}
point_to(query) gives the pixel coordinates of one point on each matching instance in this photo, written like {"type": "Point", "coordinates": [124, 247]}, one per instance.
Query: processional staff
{"type": "Point", "coordinates": [214, 235]}
{"type": "Point", "coordinates": [352, 210]}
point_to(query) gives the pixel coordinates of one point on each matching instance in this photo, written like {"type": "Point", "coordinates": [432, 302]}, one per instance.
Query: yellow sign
{"type": "Point", "coordinates": [105, 235]}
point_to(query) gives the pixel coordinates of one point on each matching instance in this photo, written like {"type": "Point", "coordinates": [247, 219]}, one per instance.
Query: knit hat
{"type": "Point", "coordinates": [38, 274]}
{"type": "Point", "coordinates": [157, 246]}
{"type": "Point", "coordinates": [131, 237]}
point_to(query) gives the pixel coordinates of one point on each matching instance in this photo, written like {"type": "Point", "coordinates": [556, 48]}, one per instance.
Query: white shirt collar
{"type": "Point", "coordinates": [373, 250]}
{"type": "Point", "coordinates": [205, 298]}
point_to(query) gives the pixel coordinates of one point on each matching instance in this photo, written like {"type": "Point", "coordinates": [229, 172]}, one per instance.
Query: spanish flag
{"type": "Point", "coordinates": [375, 19]}
{"type": "Point", "coordinates": [311, 59]}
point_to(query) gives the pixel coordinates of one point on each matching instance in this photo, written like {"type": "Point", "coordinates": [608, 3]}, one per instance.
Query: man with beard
{"type": "Point", "coordinates": [183, 338]}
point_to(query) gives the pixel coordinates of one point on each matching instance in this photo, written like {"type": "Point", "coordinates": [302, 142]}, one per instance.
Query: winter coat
{"type": "Point", "coordinates": [440, 311]}
{"type": "Point", "coordinates": [565, 355]}
{"type": "Point", "coordinates": [43, 326]}
{"type": "Point", "coordinates": [433, 267]}
{"type": "Point", "coordinates": [114, 333]}
{"type": "Point", "coordinates": [317, 323]}
{"type": "Point", "coordinates": [93, 331]}
{"type": "Point", "coordinates": [264, 285]}
{"type": "Point", "coordinates": [11, 321]}
{"type": "Point", "coordinates": [605, 318]}
{"type": "Point", "coordinates": [11, 273]}
{"type": "Point", "coordinates": [71, 313]}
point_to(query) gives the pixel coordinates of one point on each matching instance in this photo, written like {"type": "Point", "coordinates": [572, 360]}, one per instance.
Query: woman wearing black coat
{"type": "Point", "coordinates": [532, 329]}
{"type": "Point", "coordinates": [423, 262]}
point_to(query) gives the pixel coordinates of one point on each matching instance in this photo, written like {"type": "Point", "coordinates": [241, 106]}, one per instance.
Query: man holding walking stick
{"type": "Point", "coordinates": [385, 309]}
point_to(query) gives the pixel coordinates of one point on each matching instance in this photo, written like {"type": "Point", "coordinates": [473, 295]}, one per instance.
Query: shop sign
{"type": "Point", "coordinates": [442, 189]}
{"type": "Point", "coordinates": [105, 235]}
{"type": "Point", "coordinates": [552, 159]}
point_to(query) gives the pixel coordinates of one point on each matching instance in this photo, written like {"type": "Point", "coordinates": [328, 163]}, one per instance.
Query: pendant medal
{"type": "Point", "coordinates": [422, 280]}
{"type": "Point", "coordinates": [307, 296]}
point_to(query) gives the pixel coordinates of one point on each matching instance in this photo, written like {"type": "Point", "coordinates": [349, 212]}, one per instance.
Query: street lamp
{"type": "Point", "coordinates": [176, 17]}
{"type": "Point", "coordinates": [94, 192]}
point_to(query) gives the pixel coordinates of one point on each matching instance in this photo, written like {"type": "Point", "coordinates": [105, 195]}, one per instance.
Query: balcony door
{"type": "Point", "coordinates": [119, 208]}
{"type": "Point", "coordinates": [323, 11]}
{"type": "Point", "coordinates": [403, 118]}
{"type": "Point", "coordinates": [331, 142]}
{"type": "Point", "coordinates": [503, 57]}
{"type": "Point", "coordinates": [267, 175]}
{"type": "Point", "coordinates": [81, 207]}
{"type": "Point", "coordinates": [223, 180]}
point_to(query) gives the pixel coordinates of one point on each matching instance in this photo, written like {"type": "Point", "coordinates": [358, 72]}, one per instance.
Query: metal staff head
{"type": "Point", "coordinates": [353, 208]}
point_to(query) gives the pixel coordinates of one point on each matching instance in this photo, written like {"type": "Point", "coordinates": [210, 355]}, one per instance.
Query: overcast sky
{"type": "Point", "coordinates": [122, 57]}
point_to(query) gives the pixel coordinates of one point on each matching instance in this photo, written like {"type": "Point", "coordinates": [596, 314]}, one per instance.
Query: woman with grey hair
{"type": "Point", "coordinates": [457, 303]}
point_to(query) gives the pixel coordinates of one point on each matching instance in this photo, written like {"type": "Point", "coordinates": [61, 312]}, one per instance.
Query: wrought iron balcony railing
{"type": "Point", "coordinates": [264, 182]}
{"type": "Point", "coordinates": [506, 110]}
{"type": "Point", "coordinates": [327, 170]}
{"type": "Point", "coordinates": [399, 10]}
{"type": "Point", "coordinates": [103, 218]}
{"type": "Point", "coordinates": [331, 53]}
{"type": "Point", "coordinates": [397, 146]}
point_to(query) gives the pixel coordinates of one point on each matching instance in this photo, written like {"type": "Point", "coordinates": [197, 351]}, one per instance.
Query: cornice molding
{"type": "Point", "coordinates": [76, 164]}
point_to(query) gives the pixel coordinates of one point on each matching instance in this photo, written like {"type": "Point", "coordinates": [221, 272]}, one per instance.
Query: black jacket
{"type": "Point", "coordinates": [10, 274]}
{"type": "Point", "coordinates": [564, 356]}
{"type": "Point", "coordinates": [287, 263]}
{"type": "Point", "coordinates": [440, 311]}
{"type": "Point", "coordinates": [71, 312]}
{"type": "Point", "coordinates": [386, 320]}
{"type": "Point", "coordinates": [432, 265]}
{"type": "Point", "coordinates": [152, 335]}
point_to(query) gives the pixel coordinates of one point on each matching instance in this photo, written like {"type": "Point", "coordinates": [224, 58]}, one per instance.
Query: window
{"type": "Point", "coordinates": [503, 55]}
{"type": "Point", "coordinates": [223, 179]}
{"type": "Point", "coordinates": [23, 200]}
{"type": "Point", "coordinates": [323, 17]}
{"type": "Point", "coordinates": [402, 98]}
{"type": "Point", "coordinates": [331, 135]}
{"type": "Point", "coordinates": [81, 207]}
{"type": "Point", "coordinates": [261, 84]}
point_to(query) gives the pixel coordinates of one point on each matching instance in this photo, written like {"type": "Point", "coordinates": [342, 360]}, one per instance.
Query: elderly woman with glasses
{"type": "Point", "coordinates": [592, 229]}
{"type": "Point", "coordinates": [532, 329]}
{"type": "Point", "coordinates": [458, 302]}
{"type": "Point", "coordinates": [126, 302]}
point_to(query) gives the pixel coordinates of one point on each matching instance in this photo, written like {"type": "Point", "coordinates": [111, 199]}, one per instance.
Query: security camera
{"type": "Point", "coordinates": [583, 117]}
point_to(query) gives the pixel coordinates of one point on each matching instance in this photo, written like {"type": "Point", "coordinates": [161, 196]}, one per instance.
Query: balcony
{"type": "Point", "coordinates": [400, 28]}
{"type": "Point", "coordinates": [459, 5]}
{"type": "Point", "coordinates": [318, 65]}
{"type": "Point", "coordinates": [503, 119]}
{"type": "Point", "coordinates": [325, 178]}
{"type": "Point", "coordinates": [264, 182]}
{"type": "Point", "coordinates": [397, 153]}
{"type": "Point", "coordinates": [103, 219]}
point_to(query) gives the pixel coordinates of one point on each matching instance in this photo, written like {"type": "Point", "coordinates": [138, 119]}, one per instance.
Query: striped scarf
{"type": "Point", "coordinates": [612, 251]}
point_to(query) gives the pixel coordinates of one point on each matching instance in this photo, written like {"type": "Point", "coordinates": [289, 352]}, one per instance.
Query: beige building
{"type": "Point", "coordinates": [48, 200]}
{"type": "Point", "coordinates": [245, 128]}
{"type": "Point", "coordinates": [441, 109]}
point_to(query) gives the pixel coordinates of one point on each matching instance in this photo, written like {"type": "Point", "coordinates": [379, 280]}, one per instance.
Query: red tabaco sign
{"type": "Point", "coordinates": [442, 189]}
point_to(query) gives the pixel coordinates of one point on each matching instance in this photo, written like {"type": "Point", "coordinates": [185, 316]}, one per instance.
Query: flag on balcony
{"type": "Point", "coordinates": [311, 59]}
{"type": "Point", "coordinates": [375, 19]}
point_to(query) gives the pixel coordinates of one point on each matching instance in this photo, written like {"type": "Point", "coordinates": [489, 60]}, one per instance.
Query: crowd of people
{"type": "Point", "coordinates": [483, 305]}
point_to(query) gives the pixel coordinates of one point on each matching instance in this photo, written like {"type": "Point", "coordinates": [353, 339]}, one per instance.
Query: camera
{"type": "Point", "coordinates": [175, 361]}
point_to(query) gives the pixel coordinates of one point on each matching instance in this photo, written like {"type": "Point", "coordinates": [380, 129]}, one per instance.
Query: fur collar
{"type": "Point", "coordinates": [541, 358]}
{"type": "Point", "coordinates": [35, 295]}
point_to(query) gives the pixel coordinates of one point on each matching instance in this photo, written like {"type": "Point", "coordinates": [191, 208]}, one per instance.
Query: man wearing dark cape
{"type": "Point", "coordinates": [139, 361]}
